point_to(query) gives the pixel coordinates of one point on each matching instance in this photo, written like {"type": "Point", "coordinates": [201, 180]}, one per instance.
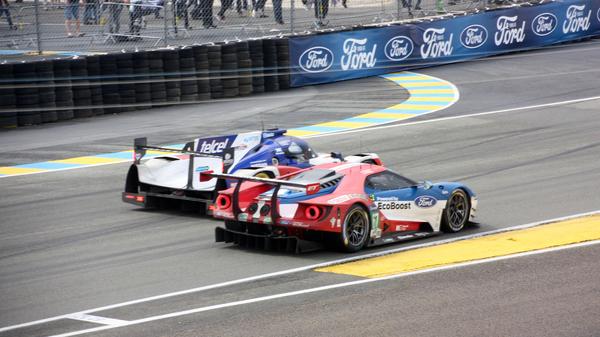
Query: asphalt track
{"type": "Point", "coordinates": [68, 244]}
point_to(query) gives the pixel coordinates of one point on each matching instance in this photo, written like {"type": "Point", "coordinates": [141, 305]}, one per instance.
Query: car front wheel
{"type": "Point", "coordinates": [456, 213]}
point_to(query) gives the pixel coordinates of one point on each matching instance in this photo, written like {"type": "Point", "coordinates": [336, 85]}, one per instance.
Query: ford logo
{"type": "Point", "coordinates": [316, 60]}
{"type": "Point", "coordinates": [425, 201]}
{"type": "Point", "coordinates": [399, 48]}
{"type": "Point", "coordinates": [598, 15]}
{"type": "Point", "coordinates": [544, 24]}
{"type": "Point", "coordinates": [474, 36]}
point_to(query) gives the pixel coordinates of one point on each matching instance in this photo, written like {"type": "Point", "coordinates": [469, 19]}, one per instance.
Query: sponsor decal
{"type": "Point", "coordinates": [202, 168]}
{"type": "Point", "coordinates": [299, 224]}
{"type": "Point", "coordinates": [508, 30]}
{"type": "Point", "coordinates": [285, 222]}
{"type": "Point", "coordinates": [577, 20]}
{"type": "Point", "coordinates": [400, 228]}
{"type": "Point", "coordinates": [398, 48]}
{"type": "Point", "coordinates": [279, 151]}
{"type": "Point", "coordinates": [436, 43]}
{"type": "Point", "coordinates": [544, 24]}
{"type": "Point", "coordinates": [251, 139]}
{"type": "Point", "coordinates": [387, 198]}
{"type": "Point", "coordinates": [356, 55]}
{"type": "Point", "coordinates": [474, 36]}
{"type": "Point", "coordinates": [316, 60]}
{"type": "Point", "coordinates": [268, 134]}
{"type": "Point", "coordinates": [228, 158]}
{"type": "Point", "coordinates": [258, 163]}
{"type": "Point", "coordinates": [392, 205]}
{"type": "Point", "coordinates": [425, 201]}
{"type": "Point", "coordinates": [214, 146]}
{"type": "Point", "coordinates": [346, 197]}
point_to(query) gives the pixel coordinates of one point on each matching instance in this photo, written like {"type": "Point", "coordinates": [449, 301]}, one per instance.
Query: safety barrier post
{"type": "Point", "coordinates": [398, 9]}
{"type": "Point", "coordinates": [292, 13]}
{"type": "Point", "coordinates": [166, 28]}
{"type": "Point", "coordinates": [37, 28]}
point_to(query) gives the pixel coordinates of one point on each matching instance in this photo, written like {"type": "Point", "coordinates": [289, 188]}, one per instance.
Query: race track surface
{"type": "Point", "coordinates": [68, 243]}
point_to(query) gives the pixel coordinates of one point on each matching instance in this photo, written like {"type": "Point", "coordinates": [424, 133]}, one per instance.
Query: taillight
{"type": "Point", "coordinates": [312, 212]}
{"type": "Point", "coordinates": [252, 208]}
{"type": "Point", "coordinates": [205, 176]}
{"type": "Point", "coordinates": [223, 201]}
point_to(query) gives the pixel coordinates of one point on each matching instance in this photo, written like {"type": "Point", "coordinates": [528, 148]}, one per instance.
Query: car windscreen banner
{"type": "Point", "coordinates": [374, 51]}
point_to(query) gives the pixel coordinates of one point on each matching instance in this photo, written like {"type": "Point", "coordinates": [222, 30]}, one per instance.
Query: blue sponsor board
{"type": "Point", "coordinates": [374, 51]}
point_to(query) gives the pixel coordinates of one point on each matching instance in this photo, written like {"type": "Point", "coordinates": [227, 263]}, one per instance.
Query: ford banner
{"type": "Point", "coordinates": [373, 51]}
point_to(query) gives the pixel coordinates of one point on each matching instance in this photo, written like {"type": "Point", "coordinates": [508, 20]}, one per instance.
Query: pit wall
{"type": "Point", "coordinates": [362, 53]}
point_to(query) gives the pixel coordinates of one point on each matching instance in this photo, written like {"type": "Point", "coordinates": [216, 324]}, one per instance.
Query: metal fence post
{"type": "Point", "coordinates": [38, 32]}
{"type": "Point", "coordinates": [398, 9]}
{"type": "Point", "coordinates": [166, 28]}
{"type": "Point", "coordinates": [291, 16]}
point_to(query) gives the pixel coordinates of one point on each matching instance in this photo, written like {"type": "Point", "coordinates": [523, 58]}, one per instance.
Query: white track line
{"type": "Point", "coordinates": [329, 287]}
{"type": "Point", "coordinates": [478, 114]}
{"type": "Point", "coordinates": [97, 319]}
{"type": "Point", "coordinates": [295, 270]}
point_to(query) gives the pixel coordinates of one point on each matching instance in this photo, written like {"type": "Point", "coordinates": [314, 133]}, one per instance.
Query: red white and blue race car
{"type": "Point", "coordinates": [172, 177]}
{"type": "Point", "coordinates": [351, 205]}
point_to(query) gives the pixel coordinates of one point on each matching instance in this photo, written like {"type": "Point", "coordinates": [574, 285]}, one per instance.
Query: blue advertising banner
{"type": "Point", "coordinates": [356, 54]}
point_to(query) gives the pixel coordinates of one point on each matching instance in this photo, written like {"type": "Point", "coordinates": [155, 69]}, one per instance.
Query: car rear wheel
{"type": "Point", "coordinates": [456, 213]}
{"type": "Point", "coordinates": [264, 174]}
{"type": "Point", "coordinates": [355, 229]}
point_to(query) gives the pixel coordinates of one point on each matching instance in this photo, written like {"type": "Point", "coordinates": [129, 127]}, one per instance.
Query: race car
{"type": "Point", "coordinates": [172, 178]}
{"type": "Point", "coordinates": [345, 205]}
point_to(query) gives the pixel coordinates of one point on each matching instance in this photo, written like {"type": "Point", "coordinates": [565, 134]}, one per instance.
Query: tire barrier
{"type": "Point", "coordinates": [229, 70]}
{"type": "Point", "coordinates": [201, 63]}
{"type": "Point", "coordinates": [27, 94]}
{"type": "Point", "coordinates": [110, 86]}
{"type": "Point", "coordinates": [62, 91]}
{"type": "Point", "coordinates": [47, 98]}
{"type": "Point", "coordinates": [126, 81]}
{"type": "Point", "coordinates": [158, 87]}
{"type": "Point", "coordinates": [46, 91]}
{"type": "Point", "coordinates": [244, 66]}
{"type": "Point", "coordinates": [214, 71]}
{"type": "Point", "coordinates": [82, 96]}
{"type": "Point", "coordinates": [270, 65]}
{"type": "Point", "coordinates": [187, 69]}
{"type": "Point", "coordinates": [8, 101]}
{"type": "Point", "coordinates": [93, 69]}
{"type": "Point", "coordinates": [170, 59]}
{"type": "Point", "coordinates": [257, 62]}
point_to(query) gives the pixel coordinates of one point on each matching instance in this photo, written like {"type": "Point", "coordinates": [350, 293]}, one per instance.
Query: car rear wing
{"type": "Point", "coordinates": [310, 188]}
{"type": "Point", "coordinates": [140, 145]}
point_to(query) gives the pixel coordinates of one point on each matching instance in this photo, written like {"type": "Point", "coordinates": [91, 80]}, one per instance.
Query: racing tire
{"type": "Point", "coordinates": [355, 229]}
{"type": "Point", "coordinates": [456, 214]}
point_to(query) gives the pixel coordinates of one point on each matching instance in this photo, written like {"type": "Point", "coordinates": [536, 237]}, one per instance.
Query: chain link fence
{"type": "Point", "coordinates": [92, 26]}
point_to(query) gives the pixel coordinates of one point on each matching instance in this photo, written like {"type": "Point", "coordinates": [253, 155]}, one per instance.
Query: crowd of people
{"type": "Point", "coordinates": [99, 12]}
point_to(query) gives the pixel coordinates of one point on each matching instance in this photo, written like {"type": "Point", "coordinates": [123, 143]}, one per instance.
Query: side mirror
{"type": "Point", "coordinates": [427, 184]}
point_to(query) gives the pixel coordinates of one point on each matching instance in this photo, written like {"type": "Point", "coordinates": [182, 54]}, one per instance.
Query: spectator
{"type": "Point", "coordinates": [277, 12]}
{"type": "Point", "coordinates": [225, 5]}
{"type": "Point", "coordinates": [136, 16]}
{"type": "Point", "coordinates": [181, 10]}
{"type": "Point", "coordinates": [207, 13]}
{"type": "Point", "coordinates": [242, 7]}
{"type": "Point", "coordinates": [114, 16]}
{"type": "Point", "coordinates": [90, 13]}
{"type": "Point", "coordinates": [72, 14]}
{"type": "Point", "coordinates": [321, 10]}
{"type": "Point", "coordinates": [5, 9]}
{"type": "Point", "coordinates": [258, 7]}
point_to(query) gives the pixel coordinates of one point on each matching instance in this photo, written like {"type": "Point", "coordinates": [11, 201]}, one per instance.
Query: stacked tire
{"type": "Point", "coordinates": [110, 86]}
{"type": "Point", "coordinates": [26, 92]}
{"type": "Point", "coordinates": [170, 58]}
{"type": "Point", "coordinates": [187, 68]}
{"type": "Point", "coordinates": [93, 70]}
{"type": "Point", "coordinates": [214, 71]}
{"type": "Point", "coordinates": [229, 70]}
{"type": "Point", "coordinates": [270, 65]}
{"type": "Point", "coordinates": [127, 85]}
{"type": "Point", "coordinates": [8, 101]}
{"type": "Point", "coordinates": [82, 96]}
{"type": "Point", "coordinates": [283, 63]}
{"type": "Point", "coordinates": [244, 65]}
{"type": "Point", "coordinates": [141, 69]}
{"type": "Point", "coordinates": [201, 63]}
{"type": "Point", "coordinates": [44, 70]}
{"type": "Point", "coordinates": [62, 90]}
{"type": "Point", "coordinates": [256, 58]}
{"type": "Point", "coordinates": [158, 88]}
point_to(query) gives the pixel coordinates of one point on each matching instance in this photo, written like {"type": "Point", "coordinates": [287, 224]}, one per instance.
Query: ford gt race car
{"type": "Point", "coordinates": [348, 205]}
{"type": "Point", "coordinates": [174, 175]}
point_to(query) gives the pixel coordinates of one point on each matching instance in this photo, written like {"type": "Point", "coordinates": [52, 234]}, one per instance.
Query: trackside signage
{"type": "Point", "coordinates": [361, 53]}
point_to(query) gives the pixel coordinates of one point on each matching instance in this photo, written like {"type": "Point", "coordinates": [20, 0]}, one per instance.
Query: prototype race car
{"type": "Point", "coordinates": [175, 177]}
{"type": "Point", "coordinates": [349, 205]}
